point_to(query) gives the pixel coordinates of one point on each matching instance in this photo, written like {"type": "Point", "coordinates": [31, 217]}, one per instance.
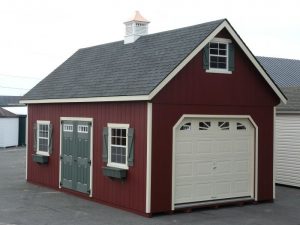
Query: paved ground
{"type": "Point", "coordinates": [23, 203]}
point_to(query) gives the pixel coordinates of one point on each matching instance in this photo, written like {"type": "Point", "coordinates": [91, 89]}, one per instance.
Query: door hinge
{"type": "Point", "coordinates": [89, 191]}
{"type": "Point", "coordinates": [90, 162]}
{"type": "Point", "coordinates": [60, 183]}
{"type": "Point", "coordinates": [61, 157]}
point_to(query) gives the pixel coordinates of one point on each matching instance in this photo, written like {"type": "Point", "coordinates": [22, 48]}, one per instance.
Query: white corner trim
{"type": "Point", "coordinates": [274, 151]}
{"type": "Point", "coordinates": [226, 25]}
{"type": "Point", "coordinates": [149, 157]}
{"type": "Point", "coordinates": [93, 99]}
{"type": "Point", "coordinates": [255, 179]}
{"type": "Point", "coordinates": [26, 142]}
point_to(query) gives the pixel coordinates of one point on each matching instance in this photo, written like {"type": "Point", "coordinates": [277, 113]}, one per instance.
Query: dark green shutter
{"type": "Point", "coordinates": [34, 137]}
{"type": "Point", "coordinates": [105, 145]}
{"type": "Point", "coordinates": [50, 138]}
{"type": "Point", "coordinates": [206, 57]}
{"type": "Point", "coordinates": [130, 146]}
{"type": "Point", "coordinates": [231, 57]}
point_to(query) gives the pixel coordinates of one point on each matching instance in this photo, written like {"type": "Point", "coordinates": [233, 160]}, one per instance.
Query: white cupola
{"type": "Point", "coordinates": [135, 27]}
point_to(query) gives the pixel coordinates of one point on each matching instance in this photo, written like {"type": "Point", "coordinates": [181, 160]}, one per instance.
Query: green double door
{"type": "Point", "coordinates": [75, 155]}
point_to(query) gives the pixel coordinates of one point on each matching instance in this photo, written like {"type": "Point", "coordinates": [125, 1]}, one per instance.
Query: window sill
{"type": "Point", "coordinates": [114, 172]}
{"type": "Point", "coordinates": [218, 71]}
{"type": "Point", "coordinates": [117, 165]}
{"type": "Point", "coordinates": [40, 159]}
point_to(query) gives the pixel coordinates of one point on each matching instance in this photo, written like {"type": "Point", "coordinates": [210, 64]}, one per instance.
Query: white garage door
{"type": "Point", "coordinates": [287, 157]}
{"type": "Point", "coordinates": [214, 159]}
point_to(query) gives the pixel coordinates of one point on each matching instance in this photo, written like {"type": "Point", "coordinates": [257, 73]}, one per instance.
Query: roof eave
{"type": "Point", "coordinates": [91, 99]}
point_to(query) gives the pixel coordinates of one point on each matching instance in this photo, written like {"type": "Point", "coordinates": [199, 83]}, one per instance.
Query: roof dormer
{"type": "Point", "coordinates": [135, 27]}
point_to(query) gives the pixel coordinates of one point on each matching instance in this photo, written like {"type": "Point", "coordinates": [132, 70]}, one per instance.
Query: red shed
{"type": "Point", "coordinates": [156, 122]}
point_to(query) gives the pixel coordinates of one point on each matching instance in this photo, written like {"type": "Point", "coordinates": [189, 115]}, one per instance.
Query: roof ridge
{"type": "Point", "coordinates": [160, 32]}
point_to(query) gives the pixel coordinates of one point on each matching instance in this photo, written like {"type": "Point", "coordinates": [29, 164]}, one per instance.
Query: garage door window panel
{"type": "Point", "coordinates": [204, 125]}
{"type": "Point", "coordinates": [186, 126]}
{"type": "Point", "coordinates": [240, 126]}
{"type": "Point", "coordinates": [223, 125]}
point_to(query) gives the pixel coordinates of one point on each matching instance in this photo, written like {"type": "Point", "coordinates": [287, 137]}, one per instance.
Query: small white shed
{"type": "Point", "coordinates": [9, 128]}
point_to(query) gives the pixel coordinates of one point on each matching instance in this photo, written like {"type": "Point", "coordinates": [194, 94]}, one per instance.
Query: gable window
{"type": "Point", "coordinates": [219, 56]}
{"type": "Point", "coordinates": [118, 145]}
{"type": "Point", "coordinates": [43, 135]}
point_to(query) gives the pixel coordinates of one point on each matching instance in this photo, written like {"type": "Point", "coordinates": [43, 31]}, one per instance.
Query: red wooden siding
{"type": "Point", "coordinates": [193, 91]}
{"type": "Point", "coordinates": [129, 194]}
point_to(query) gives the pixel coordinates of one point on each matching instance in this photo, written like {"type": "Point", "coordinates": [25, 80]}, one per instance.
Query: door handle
{"type": "Point", "coordinates": [75, 160]}
{"type": "Point", "coordinates": [214, 167]}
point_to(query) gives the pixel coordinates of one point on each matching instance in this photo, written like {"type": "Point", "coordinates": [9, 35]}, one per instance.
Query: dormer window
{"type": "Point", "coordinates": [219, 56]}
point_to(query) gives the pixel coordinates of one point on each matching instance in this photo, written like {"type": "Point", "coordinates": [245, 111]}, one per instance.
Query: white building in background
{"type": "Point", "coordinates": [9, 129]}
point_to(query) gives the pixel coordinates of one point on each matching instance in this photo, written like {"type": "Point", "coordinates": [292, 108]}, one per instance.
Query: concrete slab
{"type": "Point", "coordinates": [23, 203]}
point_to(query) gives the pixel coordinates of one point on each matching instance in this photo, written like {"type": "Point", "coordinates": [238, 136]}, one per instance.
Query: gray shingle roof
{"type": "Point", "coordinates": [5, 113]}
{"type": "Point", "coordinates": [293, 104]}
{"type": "Point", "coordinates": [116, 69]}
{"type": "Point", "coordinates": [286, 74]}
{"type": "Point", "coordinates": [10, 101]}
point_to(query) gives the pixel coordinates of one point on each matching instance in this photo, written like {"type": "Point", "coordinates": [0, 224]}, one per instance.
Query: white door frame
{"type": "Point", "coordinates": [84, 119]}
{"type": "Point", "coordinates": [255, 179]}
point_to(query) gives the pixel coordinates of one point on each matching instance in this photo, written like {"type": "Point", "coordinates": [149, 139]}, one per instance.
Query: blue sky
{"type": "Point", "coordinates": [38, 35]}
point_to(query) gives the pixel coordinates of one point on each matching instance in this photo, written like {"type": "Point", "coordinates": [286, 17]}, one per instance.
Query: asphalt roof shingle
{"type": "Point", "coordinates": [293, 104]}
{"type": "Point", "coordinates": [118, 69]}
{"type": "Point", "coordinates": [10, 100]}
{"type": "Point", "coordinates": [286, 74]}
{"type": "Point", "coordinates": [5, 113]}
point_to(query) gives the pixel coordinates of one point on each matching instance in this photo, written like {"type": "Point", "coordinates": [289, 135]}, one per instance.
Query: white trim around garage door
{"type": "Point", "coordinates": [91, 148]}
{"type": "Point", "coordinates": [216, 116]}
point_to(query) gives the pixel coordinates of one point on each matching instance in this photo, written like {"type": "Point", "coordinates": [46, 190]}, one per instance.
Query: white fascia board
{"type": "Point", "coordinates": [235, 36]}
{"type": "Point", "coordinates": [93, 99]}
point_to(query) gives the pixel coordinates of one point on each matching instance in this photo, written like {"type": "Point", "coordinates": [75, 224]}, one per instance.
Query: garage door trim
{"type": "Point", "coordinates": [215, 116]}
{"type": "Point", "coordinates": [84, 119]}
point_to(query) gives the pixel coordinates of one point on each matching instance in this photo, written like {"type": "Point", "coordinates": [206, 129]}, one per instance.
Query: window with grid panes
{"type": "Point", "coordinates": [118, 147]}
{"type": "Point", "coordinates": [43, 137]}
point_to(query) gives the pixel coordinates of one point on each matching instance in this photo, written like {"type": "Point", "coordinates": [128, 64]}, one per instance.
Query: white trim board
{"type": "Point", "coordinates": [149, 158]}
{"type": "Point", "coordinates": [26, 141]}
{"type": "Point", "coordinates": [255, 179]}
{"type": "Point", "coordinates": [163, 83]}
